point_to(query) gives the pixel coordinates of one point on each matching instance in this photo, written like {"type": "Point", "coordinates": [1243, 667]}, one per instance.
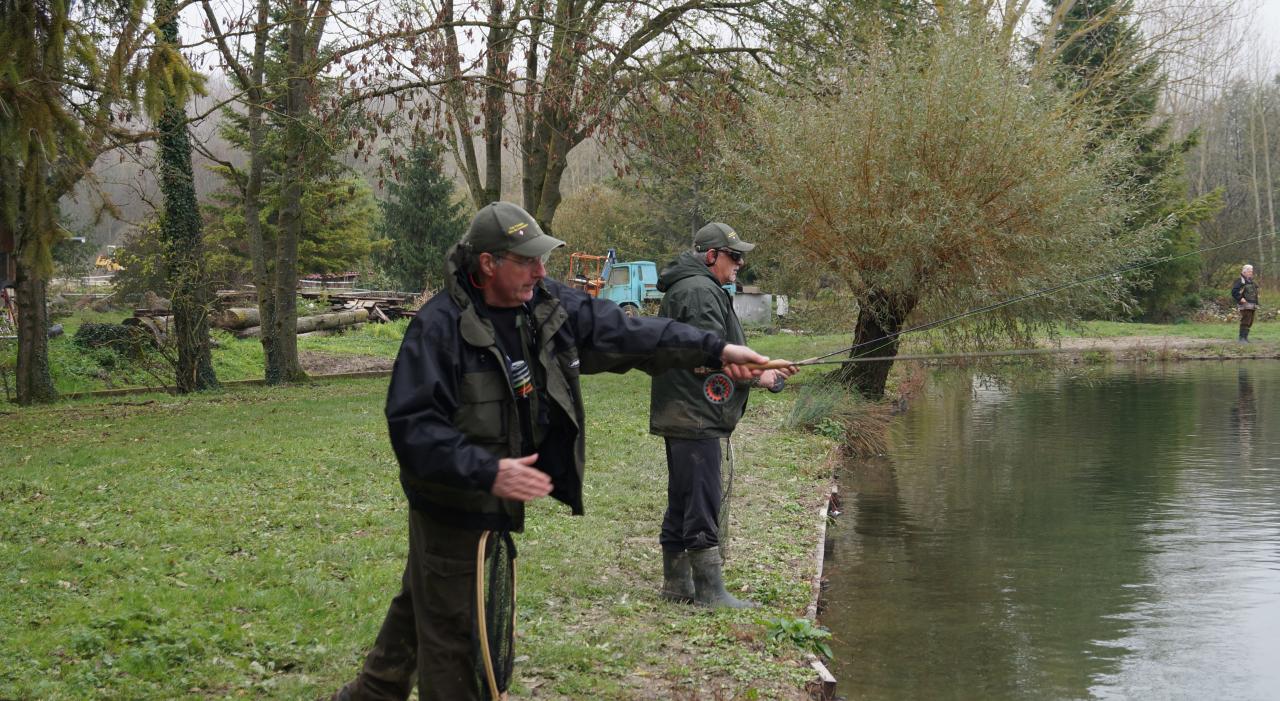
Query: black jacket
{"type": "Point", "coordinates": [451, 413]}
{"type": "Point", "coordinates": [678, 405]}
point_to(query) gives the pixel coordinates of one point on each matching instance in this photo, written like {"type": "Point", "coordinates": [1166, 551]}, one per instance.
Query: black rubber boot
{"type": "Point", "coordinates": [1244, 337]}
{"type": "Point", "coordinates": [708, 581]}
{"type": "Point", "coordinates": [677, 576]}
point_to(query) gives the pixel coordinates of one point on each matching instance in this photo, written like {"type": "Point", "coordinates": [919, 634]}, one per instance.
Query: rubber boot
{"type": "Point", "coordinates": [1244, 336]}
{"type": "Point", "coordinates": [708, 581]}
{"type": "Point", "coordinates": [677, 576]}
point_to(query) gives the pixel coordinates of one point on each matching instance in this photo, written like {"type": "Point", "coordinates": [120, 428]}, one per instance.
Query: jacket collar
{"type": "Point", "coordinates": [476, 329]}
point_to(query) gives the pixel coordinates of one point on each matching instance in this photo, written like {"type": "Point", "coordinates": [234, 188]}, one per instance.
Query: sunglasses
{"type": "Point", "coordinates": [735, 255]}
{"type": "Point", "coordinates": [526, 262]}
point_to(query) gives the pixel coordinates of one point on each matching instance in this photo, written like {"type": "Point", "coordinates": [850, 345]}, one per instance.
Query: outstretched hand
{"type": "Point", "coordinates": [736, 359]}
{"type": "Point", "coordinates": [519, 480]}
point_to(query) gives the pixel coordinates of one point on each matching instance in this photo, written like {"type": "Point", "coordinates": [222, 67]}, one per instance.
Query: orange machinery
{"type": "Point", "coordinates": [586, 271]}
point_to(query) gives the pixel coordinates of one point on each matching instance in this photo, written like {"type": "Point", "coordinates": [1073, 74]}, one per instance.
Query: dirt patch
{"type": "Point", "coordinates": [316, 363]}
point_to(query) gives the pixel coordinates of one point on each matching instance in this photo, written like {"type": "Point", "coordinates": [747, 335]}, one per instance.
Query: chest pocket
{"type": "Point", "coordinates": [482, 415]}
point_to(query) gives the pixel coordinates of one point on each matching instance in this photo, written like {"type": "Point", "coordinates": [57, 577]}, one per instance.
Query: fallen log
{"type": "Point", "coordinates": [236, 318]}
{"type": "Point", "coordinates": [159, 327]}
{"type": "Point", "coordinates": [334, 320]}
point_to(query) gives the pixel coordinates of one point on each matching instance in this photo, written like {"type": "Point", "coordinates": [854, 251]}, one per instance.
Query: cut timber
{"type": "Point", "coordinates": [158, 326]}
{"type": "Point", "coordinates": [236, 318]}
{"type": "Point", "coordinates": [335, 320]}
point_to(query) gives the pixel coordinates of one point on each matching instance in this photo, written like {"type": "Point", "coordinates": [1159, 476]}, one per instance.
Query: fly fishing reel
{"type": "Point", "coordinates": [717, 388]}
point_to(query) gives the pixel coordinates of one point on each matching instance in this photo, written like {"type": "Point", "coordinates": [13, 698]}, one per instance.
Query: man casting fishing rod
{"type": "Point", "coordinates": [485, 413]}
{"type": "Point", "coordinates": [693, 412]}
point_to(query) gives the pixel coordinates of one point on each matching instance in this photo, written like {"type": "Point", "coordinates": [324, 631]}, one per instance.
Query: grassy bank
{"type": "Point", "coordinates": [246, 543]}
{"type": "Point", "coordinates": [1267, 332]}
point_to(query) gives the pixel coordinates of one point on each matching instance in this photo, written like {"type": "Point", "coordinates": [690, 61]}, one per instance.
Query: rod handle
{"type": "Point", "coordinates": [775, 364]}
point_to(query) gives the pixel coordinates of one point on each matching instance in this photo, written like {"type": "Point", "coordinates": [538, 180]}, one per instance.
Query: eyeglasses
{"type": "Point", "coordinates": [526, 262]}
{"type": "Point", "coordinates": [735, 255]}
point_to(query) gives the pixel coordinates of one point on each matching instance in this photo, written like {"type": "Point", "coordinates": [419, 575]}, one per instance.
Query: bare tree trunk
{"type": "Point", "coordinates": [1253, 160]}
{"type": "Point", "coordinates": [287, 367]}
{"type": "Point", "coordinates": [1266, 165]}
{"type": "Point", "coordinates": [258, 250]}
{"type": "Point", "coordinates": [495, 92]}
{"type": "Point", "coordinates": [455, 95]}
{"type": "Point", "coordinates": [35, 383]}
{"type": "Point", "coordinates": [880, 316]}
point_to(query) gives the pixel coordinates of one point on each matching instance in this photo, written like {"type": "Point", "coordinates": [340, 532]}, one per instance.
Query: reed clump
{"type": "Point", "coordinates": [861, 427]}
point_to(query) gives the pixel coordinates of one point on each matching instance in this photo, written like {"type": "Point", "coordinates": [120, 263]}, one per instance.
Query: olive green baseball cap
{"type": "Point", "coordinates": [719, 235]}
{"type": "Point", "coordinates": [501, 227]}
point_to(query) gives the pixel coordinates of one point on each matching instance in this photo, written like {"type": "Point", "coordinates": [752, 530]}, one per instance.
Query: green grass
{"type": "Point", "coordinates": [76, 370]}
{"type": "Point", "coordinates": [247, 542]}
{"type": "Point", "coordinates": [1225, 331]}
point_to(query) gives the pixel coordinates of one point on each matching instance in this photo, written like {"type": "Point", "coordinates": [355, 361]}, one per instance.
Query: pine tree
{"type": "Point", "coordinates": [421, 219]}
{"type": "Point", "coordinates": [338, 210]}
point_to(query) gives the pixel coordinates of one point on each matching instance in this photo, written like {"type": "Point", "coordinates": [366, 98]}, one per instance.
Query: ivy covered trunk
{"type": "Point", "coordinates": [35, 383]}
{"type": "Point", "coordinates": [181, 234]}
{"type": "Point", "coordinates": [880, 315]}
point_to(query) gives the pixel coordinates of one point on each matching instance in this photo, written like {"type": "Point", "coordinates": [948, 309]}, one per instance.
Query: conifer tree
{"type": "Point", "coordinates": [1103, 61]}
{"type": "Point", "coordinates": [421, 219]}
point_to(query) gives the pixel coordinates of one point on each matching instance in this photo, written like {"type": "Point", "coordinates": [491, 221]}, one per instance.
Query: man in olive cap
{"type": "Point", "coordinates": [693, 412]}
{"type": "Point", "coordinates": [485, 413]}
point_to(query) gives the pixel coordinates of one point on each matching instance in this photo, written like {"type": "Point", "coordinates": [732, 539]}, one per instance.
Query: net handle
{"type": "Point", "coordinates": [480, 618]}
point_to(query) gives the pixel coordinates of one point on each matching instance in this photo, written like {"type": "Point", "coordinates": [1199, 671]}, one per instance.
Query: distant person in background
{"type": "Point", "coordinates": [1245, 293]}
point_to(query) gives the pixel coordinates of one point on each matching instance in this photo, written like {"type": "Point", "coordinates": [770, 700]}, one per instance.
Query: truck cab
{"type": "Point", "coordinates": [631, 285]}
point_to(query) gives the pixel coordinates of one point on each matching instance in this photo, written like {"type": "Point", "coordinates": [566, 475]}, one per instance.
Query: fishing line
{"type": "Point", "coordinates": [884, 340]}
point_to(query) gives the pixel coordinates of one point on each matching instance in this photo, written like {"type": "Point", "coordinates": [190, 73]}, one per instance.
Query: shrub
{"type": "Point", "coordinates": [129, 341]}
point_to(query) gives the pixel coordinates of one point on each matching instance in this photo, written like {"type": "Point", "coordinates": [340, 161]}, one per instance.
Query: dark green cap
{"type": "Point", "coordinates": [501, 226]}
{"type": "Point", "coordinates": [717, 235]}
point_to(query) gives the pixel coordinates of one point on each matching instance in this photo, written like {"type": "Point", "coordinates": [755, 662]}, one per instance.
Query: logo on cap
{"type": "Point", "coordinates": [516, 228]}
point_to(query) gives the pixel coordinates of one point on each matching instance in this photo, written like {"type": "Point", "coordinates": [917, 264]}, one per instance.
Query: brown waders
{"type": "Point", "coordinates": [1246, 321]}
{"type": "Point", "coordinates": [430, 632]}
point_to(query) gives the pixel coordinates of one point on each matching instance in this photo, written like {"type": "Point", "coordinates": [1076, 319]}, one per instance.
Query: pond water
{"type": "Point", "coordinates": [1110, 533]}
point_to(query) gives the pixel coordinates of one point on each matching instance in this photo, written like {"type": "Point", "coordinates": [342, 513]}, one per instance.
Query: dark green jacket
{"type": "Point", "coordinates": [451, 413]}
{"type": "Point", "coordinates": [678, 406]}
{"type": "Point", "coordinates": [1245, 291]}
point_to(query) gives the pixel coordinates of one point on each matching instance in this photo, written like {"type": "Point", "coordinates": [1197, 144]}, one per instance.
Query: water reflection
{"type": "Point", "coordinates": [1244, 413]}
{"type": "Point", "coordinates": [1109, 537]}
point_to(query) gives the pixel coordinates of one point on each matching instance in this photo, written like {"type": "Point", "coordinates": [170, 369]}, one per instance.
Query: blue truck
{"type": "Point", "coordinates": [632, 285]}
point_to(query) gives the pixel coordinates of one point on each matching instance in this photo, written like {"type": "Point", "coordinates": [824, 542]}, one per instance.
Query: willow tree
{"type": "Point", "coordinates": [938, 180]}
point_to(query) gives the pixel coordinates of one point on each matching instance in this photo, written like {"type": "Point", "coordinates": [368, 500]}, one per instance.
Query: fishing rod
{"type": "Point", "coordinates": [884, 340]}
{"type": "Point", "coordinates": [779, 364]}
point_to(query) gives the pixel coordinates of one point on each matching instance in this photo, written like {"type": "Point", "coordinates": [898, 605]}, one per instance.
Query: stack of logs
{"type": "Point", "coordinates": [349, 309]}
{"type": "Point", "coordinates": [245, 321]}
